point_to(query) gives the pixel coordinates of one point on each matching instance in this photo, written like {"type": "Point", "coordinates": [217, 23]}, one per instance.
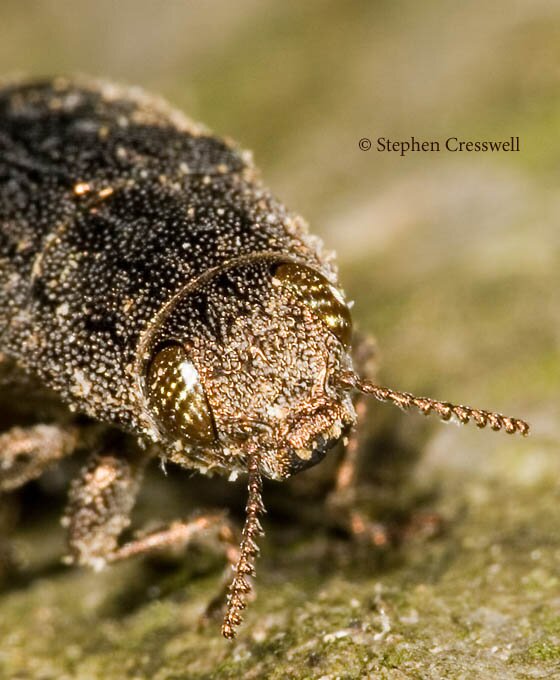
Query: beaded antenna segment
{"type": "Point", "coordinates": [443, 409]}
{"type": "Point", "coordinates": [245, 568]}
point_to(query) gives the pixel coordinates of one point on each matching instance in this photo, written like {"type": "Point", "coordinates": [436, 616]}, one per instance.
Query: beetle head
{"type": "Point", "coordinates": [252, 354]}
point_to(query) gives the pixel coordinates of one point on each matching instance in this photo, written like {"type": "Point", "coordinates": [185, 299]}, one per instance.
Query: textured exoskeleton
{"type": "Point", "coordinates": [150, 281]}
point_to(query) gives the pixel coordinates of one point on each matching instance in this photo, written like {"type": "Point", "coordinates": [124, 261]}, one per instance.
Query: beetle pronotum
{"type": "Point", "coordinates": [150, 282]}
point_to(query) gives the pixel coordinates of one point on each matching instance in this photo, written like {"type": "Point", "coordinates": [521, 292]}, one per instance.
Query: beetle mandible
{"type": "Point", "coordinates": [149, 281]}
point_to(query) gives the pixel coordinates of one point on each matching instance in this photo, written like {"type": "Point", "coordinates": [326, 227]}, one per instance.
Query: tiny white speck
{"type": "Point", "coordinates": [275, 411]}
{"type": "Point", "coordinates": [83, 385]}
{"type": "Point", "coordinates": [63, 309]}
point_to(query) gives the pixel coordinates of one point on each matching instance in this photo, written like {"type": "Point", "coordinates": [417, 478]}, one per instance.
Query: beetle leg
{"type": "Point", "coordinates": [25, 453]}
{"type": "Point", "coordinates": [99, 505]}
{"type": "Point", "coordinates": [178, 535]}
{"type": "Point", "coordinates": [99, 508]}
{"type": "Point", "coordinates": [343, 497]}
{"type": "Point", "coordinates": [346, 476]}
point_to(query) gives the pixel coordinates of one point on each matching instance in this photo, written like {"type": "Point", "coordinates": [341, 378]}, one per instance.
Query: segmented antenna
{"type": "Point", "coordinates": [240, 586]}
{"type": "Point", "coordinates": [443, 409]}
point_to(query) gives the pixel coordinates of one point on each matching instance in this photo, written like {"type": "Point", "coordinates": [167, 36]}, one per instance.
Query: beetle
{"type": "Point", "coordinates": [149, 281]}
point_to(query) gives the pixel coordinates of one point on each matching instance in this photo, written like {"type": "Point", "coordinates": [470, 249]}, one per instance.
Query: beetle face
{"type": "Point", "coordinates": [252, 354]}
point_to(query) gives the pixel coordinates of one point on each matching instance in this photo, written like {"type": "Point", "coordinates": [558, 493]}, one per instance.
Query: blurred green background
{"type": "Point", "coordinates": [453, 261]}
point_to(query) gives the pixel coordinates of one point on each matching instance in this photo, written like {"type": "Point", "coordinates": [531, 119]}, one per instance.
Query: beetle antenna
{"type": "Point", "coordinates": [240, 586]}
{"type": "Point", "coordinates": [443, 409]}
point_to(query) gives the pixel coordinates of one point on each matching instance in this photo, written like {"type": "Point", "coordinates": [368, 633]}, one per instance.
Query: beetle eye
{"type": "Point", "coordinates": [177, 398]}
{"type": "Point", "coordinates": [316, 291]}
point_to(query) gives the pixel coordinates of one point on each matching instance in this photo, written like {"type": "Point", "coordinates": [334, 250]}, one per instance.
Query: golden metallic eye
{"type": "Point", "coordinates": [320, 295]}
{"type": "Point", "coordinates": [177, 398]}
